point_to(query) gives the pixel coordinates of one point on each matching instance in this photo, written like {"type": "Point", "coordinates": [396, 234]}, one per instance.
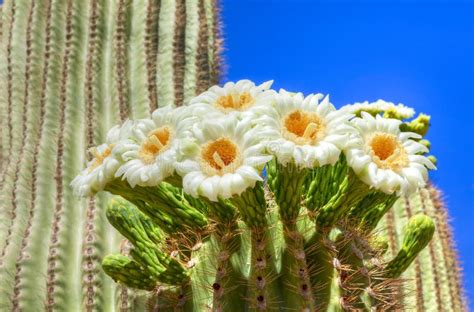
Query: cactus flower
{"type": "Point", "coordinates": [389, 109]}
{"type": "Point", "coordinates": [149, 153]}
{"type": "Point", "coordinates": [104, 163]}
{"type": "Point", "coordinates": [233, 98]}
{"type": "Point", "coordinates": [386, 158]}
{"type": "Point", "coordinates": [307, 131]}
{"type": "Point", "coordinates": [227, 158]}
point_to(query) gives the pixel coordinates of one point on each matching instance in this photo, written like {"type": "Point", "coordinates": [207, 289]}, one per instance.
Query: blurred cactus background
{"type": "Point", "coordinates": [71, 69]}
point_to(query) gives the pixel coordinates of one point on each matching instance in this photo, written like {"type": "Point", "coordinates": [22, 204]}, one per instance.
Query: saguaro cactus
{"type": "Point", "coordinates": [434, 280]}
{"type": "Point", "coordinates": [206, 231]}
{"type": "Point", "coordinates": [68, 71]}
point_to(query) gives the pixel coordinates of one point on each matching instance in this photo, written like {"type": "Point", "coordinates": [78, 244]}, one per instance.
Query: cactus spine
{"type": "Point", "coordinates": [69, 70]}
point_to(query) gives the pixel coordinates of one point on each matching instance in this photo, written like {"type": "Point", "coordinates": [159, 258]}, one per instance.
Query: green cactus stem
{"type": "Point", "coordinates": [71, 69]}
{"type": "Point", "coordinates": [417, 234]}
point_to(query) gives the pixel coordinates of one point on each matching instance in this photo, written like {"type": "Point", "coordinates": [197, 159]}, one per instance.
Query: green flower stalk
{"type": "Point", "coordinates": [417, 235]}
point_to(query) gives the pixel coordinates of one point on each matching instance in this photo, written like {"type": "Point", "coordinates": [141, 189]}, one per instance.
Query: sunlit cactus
{"type": "Point", "coordinates": [71, 69]}
{"type": "Point", "coordinates": [249, 199]}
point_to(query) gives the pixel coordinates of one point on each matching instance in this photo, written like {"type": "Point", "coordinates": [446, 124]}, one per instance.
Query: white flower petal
{"type": "Point", "coordinates": [403, 171]}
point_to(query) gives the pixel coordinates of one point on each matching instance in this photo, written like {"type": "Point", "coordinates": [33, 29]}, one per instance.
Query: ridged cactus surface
{"type": "Point", "coordinates": [434, 281]}
{"type": "Point", "coordinates": [69, 70]}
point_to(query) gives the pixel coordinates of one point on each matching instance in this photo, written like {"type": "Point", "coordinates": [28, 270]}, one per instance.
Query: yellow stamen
{"type": "Point", "coordinates": [218, 160]}
{"type": "Point", "coordinates": [220, 156]}
{"type": "Point", "coordinates": [310, 130]}
{"type": "Point", "coordinates": [388, 152]}
{"type": "Point", "coordinates": [156, 142]}
{"type": "Point", "coordinates": [235, 101]}
{"type": "Point", "coordinates": [98, 158]}
{"type": "Point", "coordinates": [303, 127]}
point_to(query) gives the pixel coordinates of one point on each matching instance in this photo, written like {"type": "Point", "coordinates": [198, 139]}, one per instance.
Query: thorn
{"type": "Point", "coordinates": [191, 263]}
{"type": "Point", "coordinates": [197, 246]}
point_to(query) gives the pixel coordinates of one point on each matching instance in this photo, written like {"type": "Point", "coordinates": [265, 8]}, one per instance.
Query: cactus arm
{"type": "Point", "coordinates": [417, 235]}
{"type": "Point", "coordinates": [160, 202]}
{"type": "Point", "coordinates": [125, 270]}
{"type": "Point", "coordinates": [88, 64]}
{"type": "Point", "coordinates": [138, 229]}
{"type": "Point", "coordinates": [424, 272]}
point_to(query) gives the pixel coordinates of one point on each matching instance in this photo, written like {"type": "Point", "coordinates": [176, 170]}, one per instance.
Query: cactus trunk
{"type": "Point", "coordinates": [70, 70]}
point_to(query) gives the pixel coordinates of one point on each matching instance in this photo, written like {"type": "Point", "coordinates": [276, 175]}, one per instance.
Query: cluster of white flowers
{"type": "Point", "coordinates": [379, 106]}
{"type": "Point", "coordinates": [220, 142]}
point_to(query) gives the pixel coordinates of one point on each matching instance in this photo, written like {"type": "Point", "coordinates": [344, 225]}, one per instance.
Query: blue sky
{"type": "Point", "coordinates": [420, 53]}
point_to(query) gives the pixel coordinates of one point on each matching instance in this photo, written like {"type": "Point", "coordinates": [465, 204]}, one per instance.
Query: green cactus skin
{"type": "Point", "coordinates": [69, 70]}
{"type": "Point", "coordinates": [417, 234]}
{"type": "Point", "coordinates": [434, 279]}
{"type": "Point", "coordinates": [278, 258]}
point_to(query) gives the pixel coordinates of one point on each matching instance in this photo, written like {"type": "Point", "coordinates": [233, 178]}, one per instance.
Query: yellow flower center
{"type": "Point", "coordinates": [99, 157]}
{"type": "Point", "coordinates": [156, 142]}
{"type": "Point", "coordinates": [303, 127]}
{"type": "Point", "coordinates": [220, 156]}
{"type": "Point", "coordinates": [388, 152]}
{"type": "Point", "coordinates": [235, 101]}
